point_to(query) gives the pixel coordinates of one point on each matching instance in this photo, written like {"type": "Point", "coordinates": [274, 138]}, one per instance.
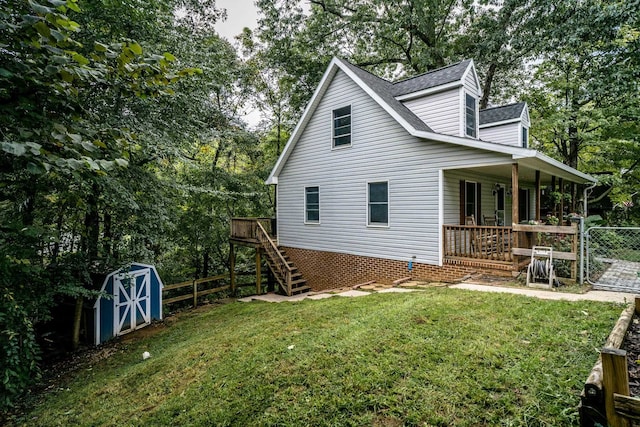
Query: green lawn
{"type": "Point", "coordinates": [440, 357]}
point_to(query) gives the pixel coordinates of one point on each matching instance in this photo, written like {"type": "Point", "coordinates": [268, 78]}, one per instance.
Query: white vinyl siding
{"type": "Point", "coordinates": [507, 134]}
{"type": "Point", "coordinates": [470, 83]}
{"type": "Point", "coordinates": [384, 152]}
{"type": "Point", "coordinates": [440, 111]}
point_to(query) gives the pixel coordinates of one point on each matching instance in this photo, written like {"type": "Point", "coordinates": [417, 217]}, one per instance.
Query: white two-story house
{"type": "Point", "coordinates": [381, 176]}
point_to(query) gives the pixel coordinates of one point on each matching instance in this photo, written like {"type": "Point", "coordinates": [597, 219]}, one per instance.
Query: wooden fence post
{"type": "Point", "coordinates": [232, 268]}
{"type": "Point", "coordinates": [195, 294]}
{"type": "Point", "coordinates": [258, 272]}
{"type": "Point", "coordinates": [615, 379]}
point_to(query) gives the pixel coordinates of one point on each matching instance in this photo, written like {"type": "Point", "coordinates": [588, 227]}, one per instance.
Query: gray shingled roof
{"type": "Point", "coordinates": [431, 79]}
{"type": "Point", "coordinates": [502, 113]}
{"type": "Point", "coordinates": [384, 89]}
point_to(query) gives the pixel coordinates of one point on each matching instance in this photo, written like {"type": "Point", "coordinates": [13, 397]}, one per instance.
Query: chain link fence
{"type": "Point", "coordinates": [613, 258]}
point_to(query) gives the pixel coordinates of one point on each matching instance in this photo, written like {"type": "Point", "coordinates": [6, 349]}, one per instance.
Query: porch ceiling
{"type": "Point", "coordinates": [527, 172]}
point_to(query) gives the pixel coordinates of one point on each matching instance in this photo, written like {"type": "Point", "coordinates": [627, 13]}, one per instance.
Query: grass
{"type": "Point", "coordinates": [440, 357]}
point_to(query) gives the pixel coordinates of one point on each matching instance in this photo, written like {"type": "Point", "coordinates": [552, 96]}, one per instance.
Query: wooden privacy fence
{"type": "Point", "coordinates": [605, 399]}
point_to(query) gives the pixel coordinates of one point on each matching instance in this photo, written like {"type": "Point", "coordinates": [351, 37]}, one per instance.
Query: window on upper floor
{"type": "Point", "coordinates": [470, 116]}
{"type": "Point", "coordinates": [312, 205]}
{"type": "Point", "coordinates": [378, 201]}
{"type": "Point", "coordinates": [342, 127]}
{"type": "Point", "coordinates": [525, 137]}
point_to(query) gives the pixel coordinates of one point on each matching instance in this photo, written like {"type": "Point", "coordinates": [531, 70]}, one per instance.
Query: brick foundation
{"type": "Point", "coordinates": [329, 270]}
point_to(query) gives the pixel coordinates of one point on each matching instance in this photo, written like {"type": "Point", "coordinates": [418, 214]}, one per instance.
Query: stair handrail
{"type": "Point", "coordinates": [275, 255]}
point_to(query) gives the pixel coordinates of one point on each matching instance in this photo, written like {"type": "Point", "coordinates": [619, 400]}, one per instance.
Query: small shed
{"type": "Point", "coordinates": [130, 298]}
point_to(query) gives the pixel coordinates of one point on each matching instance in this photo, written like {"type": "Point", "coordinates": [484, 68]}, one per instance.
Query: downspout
{"type": "Point", "coordinates": [585, 194]}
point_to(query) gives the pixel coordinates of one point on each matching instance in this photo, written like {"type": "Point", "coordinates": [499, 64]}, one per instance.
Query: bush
{"type": "Point", "coordinates": [19, 353]}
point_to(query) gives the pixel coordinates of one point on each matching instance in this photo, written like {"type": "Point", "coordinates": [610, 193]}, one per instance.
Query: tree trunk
{"type": "Point", "coordinates": [488, 81]}
{"type": "Point", "coordinates": [108, 235]}
{"type": "Point", "coordinates": [77, 317]}
{"type": "Point", "coordinates": [92, 225]}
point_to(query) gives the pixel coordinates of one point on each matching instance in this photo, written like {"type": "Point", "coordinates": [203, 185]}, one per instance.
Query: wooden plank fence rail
{"type": "Point", "coordinates": [196, 290]}
{"type": "Point", "coordinates": [529, 235]}
{"type": "Point", "coordinates": [605, 397]}
{"type": "Point", "coordinates": [193, 286]}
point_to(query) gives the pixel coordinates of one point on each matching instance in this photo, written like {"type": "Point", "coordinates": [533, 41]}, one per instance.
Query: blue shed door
{"type": "Point", "coordinates": [132, 300]}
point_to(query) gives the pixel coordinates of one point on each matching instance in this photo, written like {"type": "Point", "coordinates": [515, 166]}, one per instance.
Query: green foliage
{"type": "Point", "coordinates": [101, 130]}
{"type": "Point", "coordinates": [19, 353]}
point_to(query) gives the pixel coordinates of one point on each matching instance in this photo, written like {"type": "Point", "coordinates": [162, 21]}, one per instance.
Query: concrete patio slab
{"type": "Point", "coordinates": [353, 294]}
{"type": "Point", "coordinates": [396, 290]}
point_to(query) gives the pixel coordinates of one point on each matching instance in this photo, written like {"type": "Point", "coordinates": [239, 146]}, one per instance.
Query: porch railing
{"type": "Point", "coordinates": [480, 242]}
{"type": "Point", "coordinates": [247, 228]}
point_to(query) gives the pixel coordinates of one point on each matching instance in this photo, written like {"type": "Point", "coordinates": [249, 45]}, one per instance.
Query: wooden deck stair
{"type": "Point", "coordinates": [298, 283]}
{"type": "Point", "coordinates": [285, 272]}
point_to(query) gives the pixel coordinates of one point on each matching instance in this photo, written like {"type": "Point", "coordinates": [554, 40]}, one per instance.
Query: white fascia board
{"type": "Point", "coordinates": [430, 91]}
{"type": "Point", "coordinates": [516, 153]}
{"type": "Point", "coordinates": [565, 168]}
{"type": "Point", "coordinates": [503, 122]}
{"type": "Point", "coordinates": [306, 116]}
{"type": "Point", "coordinates": [473, 143]}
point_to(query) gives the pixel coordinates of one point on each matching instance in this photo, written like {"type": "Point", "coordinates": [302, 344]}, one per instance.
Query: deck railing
{"type": "Point", "coordinates": [247, 228]}
{"type": "Point", "coordinates": [480, 242]}
{"type": "Point", "coordinates": [276, 261]}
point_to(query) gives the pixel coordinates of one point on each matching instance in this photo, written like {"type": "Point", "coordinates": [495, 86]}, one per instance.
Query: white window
{"type": "Point", "coordinates": [342, 127]}
{"type": "Point", "coordinates": [312, 205]}
{"type": "Point", "coordinates": [470, 116]}
{"type": "Point", "coordinates": [378, 203]}
{"type": "Point", "coordinates": [525, 137]}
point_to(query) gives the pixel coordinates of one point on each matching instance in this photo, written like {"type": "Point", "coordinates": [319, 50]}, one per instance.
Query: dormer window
{"type": "Point", "coordinates": [342, 127]}
{"type": "Point", "coordinates": [525, 137]}
{"type": "Point", "coordinates": [470, 116]}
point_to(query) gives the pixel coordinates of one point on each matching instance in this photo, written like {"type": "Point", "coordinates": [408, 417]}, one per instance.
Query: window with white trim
{"type": "Point", "coordinates": [470, 116]}
{"type": "Point", "coordinates": [342, 127]}
{"type": "Point", "coordinates": [378, 201]}
{"type": "Point", "coordinates": [312, 205]}
{"type": "Point", "coordinates": [525, 137]}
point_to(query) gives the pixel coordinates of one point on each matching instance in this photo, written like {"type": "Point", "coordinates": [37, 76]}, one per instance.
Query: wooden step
{"type": "Point", "coordinates": [300, 290]}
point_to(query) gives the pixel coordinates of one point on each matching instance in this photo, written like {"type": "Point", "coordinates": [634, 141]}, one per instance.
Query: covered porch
{"type": "Point", "coordinates": [493, 215]}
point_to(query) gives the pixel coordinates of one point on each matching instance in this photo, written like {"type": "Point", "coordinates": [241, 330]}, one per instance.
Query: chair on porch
{"type": "Point", "coordinates": [484, 244]}
{"type": "Point", "coordinates": [489, 220]}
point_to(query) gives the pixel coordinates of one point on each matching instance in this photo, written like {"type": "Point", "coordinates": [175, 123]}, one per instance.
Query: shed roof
{"type": "Point", "coordinates": [502, 113]}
